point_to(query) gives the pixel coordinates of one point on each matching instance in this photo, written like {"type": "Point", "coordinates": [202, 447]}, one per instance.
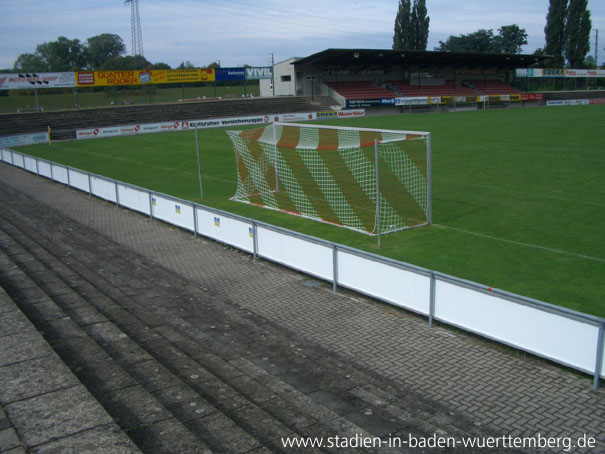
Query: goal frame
{"type": "Point", "coordinates": [400, 136]}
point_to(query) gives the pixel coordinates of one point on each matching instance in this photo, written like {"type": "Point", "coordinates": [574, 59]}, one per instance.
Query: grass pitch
{"type": "Point", "coordinates": [518, 195]}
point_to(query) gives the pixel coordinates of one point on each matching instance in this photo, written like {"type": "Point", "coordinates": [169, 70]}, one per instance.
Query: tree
{"type": "Point", "coordinates": [510, 39]}
{"type": "Point", "coordinates": [411, 26]}
{"type": "Point", "coordinates": [420, 25]}
{"type": "Point", "coordinates": [402, 36]}
{"type": "Point", "coordinates": [127, 63]}
{"type": "Point", "coordinates": [160, 65]}
{"type": "Point", "coordinates": [103, 47]}
{"type": "Point", "coordinates": [186, 65]}
{"type": "Point", "coordinates": [30, 63]}
{"type": "Point", "coordinates": [479, 41]}
{"type": "Point", "coordinates": [577, 33]}
{"type": "Point", "coordinates": [63, 54]}
{"type": "Point", "coordinates": [554, 32]}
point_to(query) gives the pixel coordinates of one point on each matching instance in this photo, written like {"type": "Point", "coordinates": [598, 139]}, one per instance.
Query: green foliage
{"type": "Point", "coordinates": [509, 40]}
{"type": "Point", "coordinates": [411, 26]}
{"type": "Point", "coordinates": [126, 63]}
{"type": "Point", "coordinates": [420, 25]}
{"type": "Point", "coordinates": [517, 194]}
{"type": "Point", "coordinates": [554, 32]}
{"type": "Point", "coordinates": [30, 63]}
{"type": "Point", "coordinates": [103, 47]}
{"type": "Point", "coordinates": [577, 33]}
{"type": "Point", "coordinates": [63, 54]}
{"type": "Point", "coordinates": [402, 36]}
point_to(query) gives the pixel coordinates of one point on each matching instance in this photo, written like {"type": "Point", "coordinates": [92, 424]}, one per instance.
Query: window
{"type": "Point", "coordinates": [286, 78]}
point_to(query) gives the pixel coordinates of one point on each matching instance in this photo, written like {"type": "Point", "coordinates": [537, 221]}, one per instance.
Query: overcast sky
{"type": "Point", "coordinates": [238, 32]}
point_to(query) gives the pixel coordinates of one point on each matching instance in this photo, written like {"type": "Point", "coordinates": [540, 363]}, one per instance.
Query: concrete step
{"type": "Point", "coordinates": [234, 380]}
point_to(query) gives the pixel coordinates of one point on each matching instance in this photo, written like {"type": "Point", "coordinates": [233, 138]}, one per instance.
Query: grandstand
{"type": "Point", "coordinates": [361, 90]}
{"type": "Point", "coordinates": [377, 78]}
{"type": "Point", "coordinates": [493, 87]}
{"type": "Point", "coordinates": [448, 88]}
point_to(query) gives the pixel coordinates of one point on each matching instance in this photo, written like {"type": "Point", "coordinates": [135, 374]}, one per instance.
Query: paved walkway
{"type": "Point", "coordinates": [500, 391]}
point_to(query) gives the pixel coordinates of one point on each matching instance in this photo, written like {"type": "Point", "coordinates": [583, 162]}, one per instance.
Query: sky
{"type": "Point", "coordinates": [252, 32]}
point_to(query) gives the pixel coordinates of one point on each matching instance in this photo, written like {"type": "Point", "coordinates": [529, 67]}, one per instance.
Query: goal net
{"type": "Point", "coordinates": [369, 180]}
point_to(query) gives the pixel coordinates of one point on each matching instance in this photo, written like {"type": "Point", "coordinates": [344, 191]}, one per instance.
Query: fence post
{"type": "Point", "coordinates": [37, 167]}
{"type": "Point", "coordinates": [194, 222]}
{"type": "Point", "coordinates": [432, 299]}
{"type": "Point", "coordinates": [117, 195]}
{"type": "Point", "coordinates": [334, 267]}
{"type": "Point", "coordinates": [599, 364]}
{"type": "Point", "coordinates": [150, 207]}
{"type": "Point", "coordinates": [89, 186]}
{"type": "Point", "coordinates": [68, 179]}
{"type": "Point", "coordinates": [255, 241]}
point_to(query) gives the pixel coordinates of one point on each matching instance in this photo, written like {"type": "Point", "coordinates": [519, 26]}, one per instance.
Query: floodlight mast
{"type": "Point", "coordinates": [135, 27]}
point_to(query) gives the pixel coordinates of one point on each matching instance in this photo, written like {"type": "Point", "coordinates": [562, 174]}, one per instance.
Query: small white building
{"type": "Point", "coordinates": [284, 78]}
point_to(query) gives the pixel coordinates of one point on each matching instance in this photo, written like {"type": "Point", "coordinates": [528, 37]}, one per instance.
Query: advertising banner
{"type": "Point", "coordinates": [532, 97]}
{"type": "Point", "coordinates": [128, 130]}
{"type": "Point", "coordinates": [260, 72]}
{"type": "Point", "coordinates": [143, 77]}
{"type": "Point", "coordinates": [22, 81]}
{"type": "Point", "coordinates": [412, 101]}
{"type": "Point", "coordinates": [340, 114]}
{"type": "Point", "coordinates": [363, 102]}
{"type": "Point", "coordinates": [568, 102]}
{"type": "Point", "coordinates": [221, 122]}
{"type": "Point", "coordinates": [289, 117]}
{"type": "Point", "coordinates": [24, 139]}
{"type": "Point", "coordinates": [222, 74]}
{"type": "Point", "coordinates": [559, 72]}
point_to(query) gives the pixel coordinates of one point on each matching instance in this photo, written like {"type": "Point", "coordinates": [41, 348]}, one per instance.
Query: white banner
{"type": "Point", "coordinates": [21, 81]}
{"type": "Point", "coordinates": [24, 139]}
{"type": "Point", "coordinates": [128, 130]}
{"type": "Point", "coordinates": [568, 102]}
{"type": "Point", "coordinates": [289, 117]}
{"type": "Point", "coordinates": [222, 122]}
{"type": "Point", "coordinates": [412, 101]}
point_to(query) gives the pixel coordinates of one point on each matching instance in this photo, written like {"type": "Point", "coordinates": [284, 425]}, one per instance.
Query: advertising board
{"type": "Point", "coordinates": [22, 81]}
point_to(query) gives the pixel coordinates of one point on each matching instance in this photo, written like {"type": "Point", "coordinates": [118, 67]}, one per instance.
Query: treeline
{"type": "Point", "coordinates": [104, 52]}
{"type": "Point", "coordinates": [567, 34]}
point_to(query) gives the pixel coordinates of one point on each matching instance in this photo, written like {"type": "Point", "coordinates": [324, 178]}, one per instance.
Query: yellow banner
{"type": "Point", "coordinates": [143, 77]}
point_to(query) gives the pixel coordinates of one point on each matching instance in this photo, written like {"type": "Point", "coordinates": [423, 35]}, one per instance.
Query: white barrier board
{"type": "Point", "coordinates": [562, 339]}
{"type": "Point", "coordinates": [7, 156]}
{"type": "Point", "coordinates": [225, 229]}
{"type": "Point", "coordinates": [297, 253]}
{"type": "Point", "coordinates": [29, 164]}
{"type": "Point", "coordinates": [44, 169]}
{"type": "Point", "coordinates": [78, 180]}
{"type": "Point", "coordinates": [133, 198]}
{"type": "Point", "coordinates": [59, 174]}
{"type": "Point", "coordinates": [173, 212]}
{"type": "Point", "coordinates": [18, 160]}
{"type": "Point", "coordinates": [387, 282]}
{"type": "Point", "coordinates": [103, 189]}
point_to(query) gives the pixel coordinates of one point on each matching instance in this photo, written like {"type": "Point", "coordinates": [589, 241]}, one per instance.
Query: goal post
{"type": "Point", "coordinates": [374, 181]}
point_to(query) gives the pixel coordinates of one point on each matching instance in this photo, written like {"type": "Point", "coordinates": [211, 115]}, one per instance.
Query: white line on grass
{"type": "Point", "coordinates": [519, 243]}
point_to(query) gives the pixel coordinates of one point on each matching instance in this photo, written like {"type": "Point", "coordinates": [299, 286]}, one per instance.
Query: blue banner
{"type": "Point", "coordinates": [223, 74]}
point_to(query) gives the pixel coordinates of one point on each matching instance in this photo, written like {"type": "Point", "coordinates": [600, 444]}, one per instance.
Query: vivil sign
{"type": "Point", "coordinates": [259, 72]}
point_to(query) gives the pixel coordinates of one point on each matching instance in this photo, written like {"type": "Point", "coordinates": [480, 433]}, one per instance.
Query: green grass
{"type": "Point", "coordinates": [518, 198]}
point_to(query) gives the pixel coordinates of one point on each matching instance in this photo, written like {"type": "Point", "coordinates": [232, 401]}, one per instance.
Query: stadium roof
{"type": "Point", "coordinates": [388, 57]}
